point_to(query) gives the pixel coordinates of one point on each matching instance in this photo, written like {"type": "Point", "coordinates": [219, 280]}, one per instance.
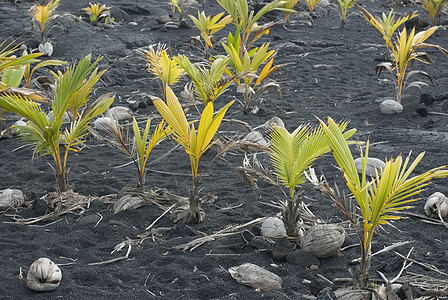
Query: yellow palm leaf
{"type": "Point", "coordinates": [174, 116]}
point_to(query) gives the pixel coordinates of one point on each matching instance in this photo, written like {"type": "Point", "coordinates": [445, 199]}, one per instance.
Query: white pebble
{"type": "Point", "coordinates": [273, 227]}
{"type": "Point", "coordinates": [390, 107]}
{"type": "Point", "coordinates": [371, 165]}
{"type": "Point", "coordinates": [120, 113]}
{"type": "Point", "coordinates": [101, 123]}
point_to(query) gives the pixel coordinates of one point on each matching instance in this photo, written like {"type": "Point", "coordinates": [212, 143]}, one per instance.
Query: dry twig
{"type": "Point", "coordinates": [229, 231]}
{"type": "Point", "coordinates": [119, 247]}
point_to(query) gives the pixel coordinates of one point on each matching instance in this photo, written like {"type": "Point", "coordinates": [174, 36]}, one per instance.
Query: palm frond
{"type": "Point", "coordinates": [285, 149]}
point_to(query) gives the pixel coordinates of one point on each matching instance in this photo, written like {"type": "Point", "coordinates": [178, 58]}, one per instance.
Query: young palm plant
{"type": "Point", "coordinates": [162, 65]}
{"type": "Point", "coordinates": [98, 13]}
{"type": "Point", "coordinates": [209, 83]}
{"type": "Point", "coordinates": [289, 5]}
{"type": "Point", "coordinates": [180, 6]}
{"type": "Point", "coordinates": [43, 15]}
{"type": "Point", "coordinates": [390, 191]}
{"type": "Point", "coordinates": [246, 21]}
{"type": "Point", "coordinates": [249, 63]}
{"type": "Point", "coordinates": [46, 132]}
{"type": "Point", "coordinates": [386, 26]}
{"type": "Point", "coordinates": [209, 26]}
{"type": "Point", "coordinates": [405, 52]}
{"type": "Point", "coordinates": [433, 8]}
{"type": "Point", "coordinates": [345, 5]}
{"type": "Point", "coordinates": [8, 60]}
{"type": "Point", "coordinates": [141, 145]}
{"type": "Point", "coordinates": [195, 143]}
{"type": "Point", "coordinates": [312, 5]}
{"type": "Point", "coordinates": [12, 71]}
{"type": "Point", "coordinates": [291, 154]}
{"type": "Point", "coordinates": [29, 72]}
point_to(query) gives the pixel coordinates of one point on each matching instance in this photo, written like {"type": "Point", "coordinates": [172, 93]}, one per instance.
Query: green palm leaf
{"type": "Point", "coordinates": [389, 192]}
{"type": "Point", "coordinates": [293, 153]}
{"type": "Point", "coordinates": [46, 132]}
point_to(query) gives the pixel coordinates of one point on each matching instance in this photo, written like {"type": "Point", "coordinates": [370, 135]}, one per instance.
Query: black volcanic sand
{"type": "Point", "coordinates": [329, 72]}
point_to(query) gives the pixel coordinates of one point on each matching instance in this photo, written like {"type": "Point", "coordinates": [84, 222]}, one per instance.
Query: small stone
{"type": "Point", "coordinates": [89, 220]}
{"type": "Point", "coordinates": [421, 110]}
{"type": "Point", "coordinates": [314, 267]}
{"type": "Point", "coordinates": [164, 19]}
{"type": "Point", "coordinates": [301, 259]}
{"type": "Point", "coordinates": [120, 113]}
{"type": "Point", "coordinates": [142, 104]}
{"type": "Point", "coordinates": [442, 97]}
{"type": "Point", "coordinates": [427, 99]}
{"type": "Point", "coordinates": [101, 123]}
{"type": "Point", "coordinates": [326, 294]}
{"type": "Point", "coordinates": [390, 107]}
{"type": "Point", "coordinates": [428, 124]}
{"type": "Point", "coordinates": [119, 15]}
{"type": "Point", "coordinates": [372, 164]}
{"type": "Point", "coordinates": [281, 249]}
{"type": "Point", "coordinates": [273, 227]}
{"type": "Point", "coordinates": [261, 245]}
{"type": "Point", "coordinates": [255, 137]}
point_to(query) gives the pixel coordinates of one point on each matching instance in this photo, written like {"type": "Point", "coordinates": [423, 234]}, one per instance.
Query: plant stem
{"type": "Point", "coordinates": [365, 258]}
{"type": "Point", "coordinates": [195, 214]}
{"type": "Point", "coordinates": [195, 203]}
{"type": "Point", "coordinates": [61, 173]}
{"type": "Point", "coordinates": [141, 180]}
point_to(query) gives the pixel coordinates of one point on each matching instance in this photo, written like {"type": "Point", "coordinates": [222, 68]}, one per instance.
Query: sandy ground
{"type": "Point", "coordinates": [329, 72]}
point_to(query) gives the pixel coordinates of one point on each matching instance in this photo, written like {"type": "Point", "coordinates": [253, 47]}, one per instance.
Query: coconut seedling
{"type": "Point", "coordinates": [345, 5]}
{"type": "Point", "coordinates": [43, 19]}
{"type": "Point", "coordinates": [209, 81]}
{"type": "Point", "coordinates": [195, 143]}
{"type": "Point", "coordinates": [45, 132]}
{"type": "Point", "coordinates": [380, 197]}
{"type": "Point", "coordinates": [249, 63]}
{"type": "Point", "coordinates": [246, 21]}
{"type": "Point", "coordinates": [209, 26]}
{"type": "Point", "coordinates": [179, 7]}
{"type": "Point", "coordinates": [311, 6]}
{"type": "Point", "coordinates": [98, 13]}
{"type": "Point", "coordinates": [291, 154]}
{"type": "Point", "coordinates": [139, 148]}
{"type": "Point", "coordinates": [12, 71]}
{"type": "Point", "coordinates": [433, 8]}
{"type": "Point", "coordinates": [162, 65]}
{"type": "Point", "coordinates": [10, 61]}
{"type": "Point", "coordinates": [243, 58]}
{"type": "Point", "coordinates": [405, 51]}
{"type": "Point", "coordinates": [289, 5]}
{"type": "Point", "coordinates": [386, 26]}
{"type": "Point", "coordinates": [28, 72]}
